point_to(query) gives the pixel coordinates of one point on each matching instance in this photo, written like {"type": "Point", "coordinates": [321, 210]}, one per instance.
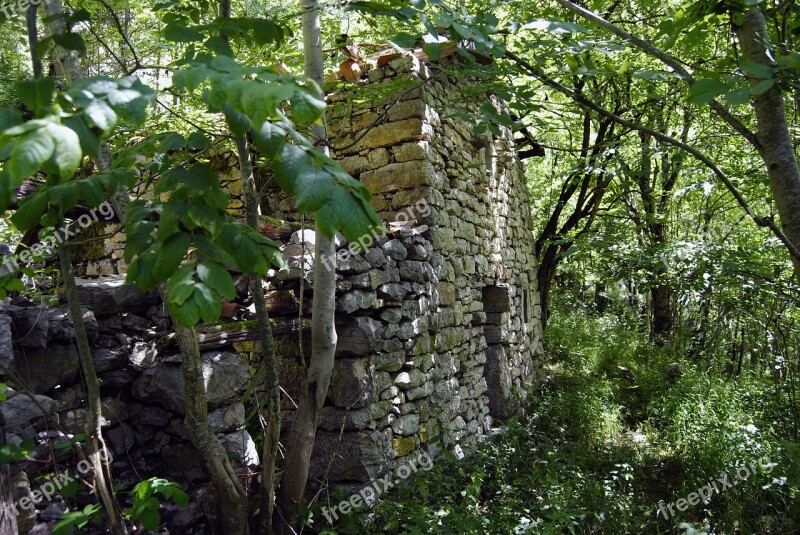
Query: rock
{"type": "Point", "coordinates": [6, 345]}
{"type": "Point", "coordinates": [496, 299]}
{"type": "Point", "coordinates": [31, 326]}
{"type": "Point", "coordinates": [110, 359]}
{"type": "Point", "coordinates": [406, 425]}
{"type": "Point", "coordinates": [121, 439]}
{"type": "Point", "coordinates": [153, 416]}
{"type": "Point", "coordinates": [228, 418]}
{"type": "Point", "coordinates": [240, 444]}
{"type": "Point", "coordinates": [54, 511]}
{"type": "Point", "coordinates": [391, 134]}
{"type": "Point", "coordinates": [355, 300]}
{"type": "Point", "coordinates": [413, 270]}
{"type": "Point", "coordinates": [21, 412]}
{"type": "Point", "coordinates": [132, 322]}
{"type": "Point", "coordinates": [673, 371]}
{"type": "Point", "coordinates": [354, 384]}
{"type": "Point", "coordinates": [43, 370]}
{"type": "Point", "coordinates": [393, 291]}
{"type": "Point", "coordinates": [360, 456]}
{"type": "Point", "coordinates": [395, 249]}
{"type": "Point", "coordinates": [498, 380]}
{"type": "Point", "coordinates": [109, 295]}
{"type": "Point", "coordinates": [359, 336]}
{"type": "Point", "coordinates": [225, 376]}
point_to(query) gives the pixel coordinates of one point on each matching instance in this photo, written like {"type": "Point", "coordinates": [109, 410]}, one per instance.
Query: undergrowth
{"type": "Point", "coordinates": [603, 438]}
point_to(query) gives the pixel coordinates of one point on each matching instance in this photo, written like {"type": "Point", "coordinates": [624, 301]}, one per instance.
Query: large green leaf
{"type": "Point", "coordinates": [217, 277]}
{"type": "Point", "coordinates": [30, 211]}
{"type": "Point", "coordinates": [29, 153]}
{"type": "Point", "coordinates": [67, 152]}
{"type": "Point", "coordinates": [170, 254]}
{"type": "Point", "coordinates": [313, 185]}
{"type": "Point", "coordinates": [705, 90]}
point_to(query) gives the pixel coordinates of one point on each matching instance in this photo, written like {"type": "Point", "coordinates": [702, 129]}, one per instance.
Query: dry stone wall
{"type": "Point", "coordinates": [439, 321]}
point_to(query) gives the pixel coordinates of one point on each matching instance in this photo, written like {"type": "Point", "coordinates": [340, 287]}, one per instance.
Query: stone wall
{"type": "Point", "coordinates": [439, 321]}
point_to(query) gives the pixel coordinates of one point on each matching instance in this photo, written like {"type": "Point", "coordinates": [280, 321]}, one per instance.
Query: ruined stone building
{"type": "Point", "coordinates": [438, 321]}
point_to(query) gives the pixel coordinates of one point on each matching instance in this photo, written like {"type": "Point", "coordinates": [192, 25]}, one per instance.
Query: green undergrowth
{"type": "Point", "coordinates": [601, 440]}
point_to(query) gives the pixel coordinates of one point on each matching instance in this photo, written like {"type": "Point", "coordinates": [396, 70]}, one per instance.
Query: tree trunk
{"type": "Point", "coordinates": [94, 437]}
{"type": "Point", "coordinates": [773, 130]}
{"type": "Point", "coordinates": [300, 438]}
{"type": "Point", "coordinates": [232, 498]}
{"type": "Point", "coordinates": [272, 425]}
{"type": "Point", "coordinates": [661, 299]}
{"type": "Point", "coordinates": [8, 517]}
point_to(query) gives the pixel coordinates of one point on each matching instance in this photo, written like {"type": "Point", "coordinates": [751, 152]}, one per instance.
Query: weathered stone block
{"type": "Point", "coordinates": [397, 176]}
{"type": "Point", "coordinates": [496, 299]}
{"type": "Point", "coordinates": [360, 456]}
{"type": "Point", "coordinates": [498, 381]}
{"type": "Point", "coordinates": [359, 336]}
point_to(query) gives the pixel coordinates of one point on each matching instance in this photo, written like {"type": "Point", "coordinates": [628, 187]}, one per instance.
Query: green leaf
{"type": "Point", "coordinates": [181, 285]}
{"type": "Point", "coordinates": [38, 95]}
{"type": "Point", "coordinates": [265, 31]}
{"type": "Point", "coordinates": [208, 303]}
{"type": "Point", "coordinates": [101, 116]}
{"type": "Point", "coordinates": [756, 70]}
{"type": "Point", "coordinates": [313, 185]}
{"type": "Point", "coordinates": [738, 96]}
{"type": "Point", "coordinates": [67, 154]}
{"type": "Point", "coordinates": [705, 90]}
{"type": "Point", "coordinates": [9, 117]}
{"type": "Point", "coordinates": [70, 41]}
{"type": "Point", "coordinates": [29, 153]}
{"type": "Point", "coordinates": [292, 159]}
{"type": "Point", "coordinates": [182, 34]}
{"type": "Point", "coordinates": [170, 255]}
{"type": "Point", "coordinates": [64, 196]}
{"type": "Point", "coordinates": [306, 108]}
{"type": "Point", "coordinates": [91, 191]}
{"type": "Point", "coordinates": [90, 144]}
{"type": "Point", "coordinates": [217, 277]}
{"type": "Point", "coordinates": [269, 138]}
{"type": "Point", "coordinates": [238, 123]}
{"type": "Point", "coordinates": [150, 519]}
{"type": "Point", "coordinates": [405, 40]}
{"type": "Point", "coordinates": [763, 86]}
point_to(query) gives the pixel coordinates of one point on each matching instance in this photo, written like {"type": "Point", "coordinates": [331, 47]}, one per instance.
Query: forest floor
{"type": "Point", "coordinates": [607, 443]}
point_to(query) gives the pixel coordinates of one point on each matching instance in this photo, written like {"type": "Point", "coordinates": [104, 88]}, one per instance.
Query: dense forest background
{"type": "Point", "coordinates": [659, 142]}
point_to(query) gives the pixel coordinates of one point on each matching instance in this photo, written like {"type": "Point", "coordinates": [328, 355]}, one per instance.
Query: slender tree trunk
{"type": "Point", "coordinates": [272, 428]}
{"type": "Point", "coordinates": [773, 130]}
{"type": "Point", "coordinates": [33, 39]}
{"type": "Point", "coordinates": [94, 437]}
{"type": "Point", "coordinates": [232, 498]}
{"type": "Point", "coordinates": [300, 438]}
{"type": "Point", "coordinates": [8, 517]}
